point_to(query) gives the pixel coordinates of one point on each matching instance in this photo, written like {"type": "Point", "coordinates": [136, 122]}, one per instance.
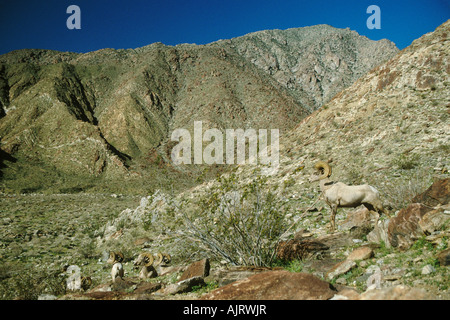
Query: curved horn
{"type": "Point", "coordinates": [119, 256]}
{"type": "Point", "coordinates": [324, 168]}
{"type": "Point", "coordinates": [166, 258]}
{"type": "Point", "coordinates": [87, 281]}
{"type": "Point", "coordinates": [112, 257]}
{"type": "Point", "coordinates": [159, 258]}
{"type": "Point", "coordinates": [148, 258]}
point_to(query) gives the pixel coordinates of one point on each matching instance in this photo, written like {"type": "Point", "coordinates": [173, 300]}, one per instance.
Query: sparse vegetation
{"type": "Point", "coordinates": [238, 223]}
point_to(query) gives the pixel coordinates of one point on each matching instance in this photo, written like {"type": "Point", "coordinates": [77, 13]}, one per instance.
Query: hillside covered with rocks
{"type": "Point", "coordinates": [86, 120]}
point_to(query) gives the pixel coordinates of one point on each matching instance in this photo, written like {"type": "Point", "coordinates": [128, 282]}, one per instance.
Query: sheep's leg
{"type": "Point", "coordinates": [333, 216]}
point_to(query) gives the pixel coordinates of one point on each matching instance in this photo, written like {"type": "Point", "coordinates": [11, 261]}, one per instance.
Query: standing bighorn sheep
{"type": "Point", "coordinates": [117, 269]}
{"type": "Point", "coordinates": [339, 195]}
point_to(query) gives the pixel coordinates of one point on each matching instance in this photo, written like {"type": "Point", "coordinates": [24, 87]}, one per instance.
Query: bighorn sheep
{"type": "Point", "coordinates": [339, 195]}
{"type": "Point", "coordinates": [86, 283]}
{"type": "Point", "coordinates": [117, 269]}
{"type": "Point", "coordinates": [146, 261]}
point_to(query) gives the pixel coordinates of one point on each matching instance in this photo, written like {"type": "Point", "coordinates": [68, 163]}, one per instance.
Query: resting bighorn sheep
{"type": "Point", "coordinates": [146, 261]}
{"type": "Point", "coordinates": [117, 269]}
{"type": "Point", "coordinates": [339, 195]}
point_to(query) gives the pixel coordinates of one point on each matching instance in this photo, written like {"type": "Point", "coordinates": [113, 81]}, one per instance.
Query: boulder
{"type": "Point", "coordinates": [380, 233]}
{"type": "Point", "coordinates": [340, 269]}
{"type": "Point", "coordinates": [437, 194]}
{"type": "Point", "coordinates": [444, 257]}
{"type": "Point", "coordinates": [361, 253]}
{"type": "Point", "coordinates": [358, 222]}
{"type": "Point", "coordinates": [232, 274]}
{"type": "Point", "coordinates": [433, 220]}
{"type": "Point", "coordinates": [147, 287]}
{"type": "Point", "coordinates": [196, 269]}
{"type": "Point", "coordinates": [183, 286]}
{"type": "Point", "coordinates": [404, 229]}
{"type": "Point", "coordinates": [275, 285]}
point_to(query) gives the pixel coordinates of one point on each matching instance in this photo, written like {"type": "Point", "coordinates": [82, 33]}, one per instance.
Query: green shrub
{"type": "Point", "coordinates": [239, 223]}
{"type": "Point", "coordinates": [406, 162]}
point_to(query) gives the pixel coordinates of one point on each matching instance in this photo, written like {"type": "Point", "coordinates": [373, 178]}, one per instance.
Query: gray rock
{"type": "Point", "coordinates": [428, 269]}
{"type": "Point", "coordinates": [183, 286]}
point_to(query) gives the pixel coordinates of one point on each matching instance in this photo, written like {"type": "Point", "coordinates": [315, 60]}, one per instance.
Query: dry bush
{"type": "Point", "coordinates": [238, 223]}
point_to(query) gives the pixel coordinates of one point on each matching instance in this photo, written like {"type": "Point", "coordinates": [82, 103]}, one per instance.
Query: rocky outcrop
{"type": "Point", "coordinates": [196, 269]}
{"type": "Point", "coordinates": [417, 219]}
{"type": "Point", "coordinates": [275, 285]}
{"type": "Point", "coordinates": [437, 194]}
{"type": "Point", "coordinates": [404, 229]}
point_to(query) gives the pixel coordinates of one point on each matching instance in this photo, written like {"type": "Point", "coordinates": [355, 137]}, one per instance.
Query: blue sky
{"type": "Point", "coordinates": [131, 24]}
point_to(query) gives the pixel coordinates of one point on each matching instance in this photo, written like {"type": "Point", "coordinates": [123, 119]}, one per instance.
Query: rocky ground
{"type": "Point", "coordinates": [351, 263]}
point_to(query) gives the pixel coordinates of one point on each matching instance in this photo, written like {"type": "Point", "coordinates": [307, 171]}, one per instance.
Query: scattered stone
{"type": "Point", "coordinates": [433, 221]}
{"type": "Point", "coordinates": [229, 275]}
{"type": "Point", "coordinates": [275, 285]}
{"type": "Point", "coordinates": [361, 253]}
{"type": "Point", "coordinates": [163, 271]}
{"type": "Point", "coordinates": [183, 286]}
{"type": "Point", "coordinates": [346, 294]}
{"type": "Point", "coordinates": [428, 269]}
{"type": "Point", "coordinates": [340, 269]}
{"type": "Point", "coordinates": [101, 288]}
{"type": "Point", "coordinates": [399, 292]}
{"type": "Point", "coordinates": [123, 285]}
{"type": "Point", "coordinates": [47, 297]}
{"type": "Point", "coordinates": [197, 269]}
{"type": "Point", "coordinates": [147, 287]}
{"type": "Point", "coordinates": [374, 281]}
{"type": "Point", "coordinates": [358, 223]}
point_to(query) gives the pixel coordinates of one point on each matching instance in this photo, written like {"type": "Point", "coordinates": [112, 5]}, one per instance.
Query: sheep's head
{"type": "Point", "coordinates": [166, 258]}
{"type": "Point", "coordinates": [145, 259]}
{"type": "Point", "coordinates": [115, 257]}
{"type": "Point", "coordinates": [323, 170]}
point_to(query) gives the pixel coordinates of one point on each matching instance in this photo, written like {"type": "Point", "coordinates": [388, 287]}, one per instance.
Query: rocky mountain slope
{"type": "Point", "coordinates": [108, 114]}
{"type": "Point", "coordinates": [313, 63]}
{"type": "Point", "coordinates": [390, 128]}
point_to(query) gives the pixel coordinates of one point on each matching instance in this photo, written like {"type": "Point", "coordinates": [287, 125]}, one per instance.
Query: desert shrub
{"type": "Point", "coordinates": [28, 283]}
{"type": "Point", "coordinates": [406, 162]}
{"type": "Point", "coordinates": [238, 223]}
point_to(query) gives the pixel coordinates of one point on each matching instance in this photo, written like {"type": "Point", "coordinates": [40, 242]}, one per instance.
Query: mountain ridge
{"type": "Point", "coordinates": [110, 112]}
